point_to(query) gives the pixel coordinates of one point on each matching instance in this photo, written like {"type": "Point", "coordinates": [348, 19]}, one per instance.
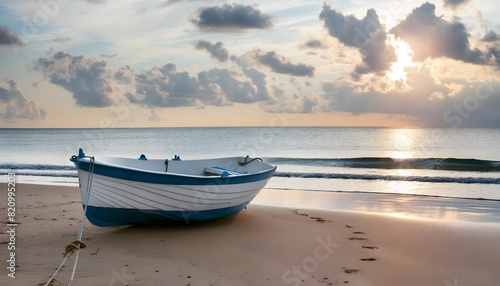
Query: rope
{"type": "Point", "coordinates": [80, 232]}
{"type": "Point", "coordinates": [57, 270]}
{"type": "Point", "coordinates": [246, 158]}
{"type": "Point", "coordinates": [77, 244]}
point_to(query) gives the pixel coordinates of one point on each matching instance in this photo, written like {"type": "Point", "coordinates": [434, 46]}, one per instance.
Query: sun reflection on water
{"type": "Point", "coordinates": [401, 154]}
{"type": "Point", "coordinates": [402, 143]}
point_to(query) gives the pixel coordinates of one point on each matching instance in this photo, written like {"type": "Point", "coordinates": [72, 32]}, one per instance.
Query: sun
{"type": "Point", "coordinates": [404, 54]}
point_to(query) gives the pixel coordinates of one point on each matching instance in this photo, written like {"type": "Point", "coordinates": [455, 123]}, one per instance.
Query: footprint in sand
{"type": "Point", "coordinates": [357, 238]}
{"type": "Point", "coordinates": [318, 219]}
{"type": "Point", "coordinates": [297, 213]}
{"type": "Point", "coordinates": [368, 259]}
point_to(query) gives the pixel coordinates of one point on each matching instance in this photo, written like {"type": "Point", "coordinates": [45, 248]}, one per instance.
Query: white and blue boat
{"type": "Point", "coordinates": [123, 191]}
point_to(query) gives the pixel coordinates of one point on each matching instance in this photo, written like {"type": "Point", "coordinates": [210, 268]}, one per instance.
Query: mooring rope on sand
{"type": "Point", "coordinates": [77, 244]}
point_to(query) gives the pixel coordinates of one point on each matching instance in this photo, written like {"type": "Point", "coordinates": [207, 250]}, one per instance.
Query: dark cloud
{"type": "Point", "coordinates": [307, 105]}
{"type": "Point", "coordinates": [491, 36]}
{"type": "Point", "coordinates": [258, 79]}
{"type": "Point", "coordinates": [367, 35]}
{"type": "Point", "coordinates": [216, 51]}
{"type": "Point", "coordinates": [432, 36]}
{"type": "Point", "coordinates": [222, 82]}
{"type": "Point", "coordinates": [278, 91]}
{"type": "Point", "coordinates": [87, 79]}
{"type": "Point", "coordinates": [493, 52]}
{"type": "Point", "coordinates": [455, 3]}
{"type": "Point", "coordinates": [92, 83]}
{"type": "Point", "coordinates": [9, 38]}
{"type": "Point", "coordinates": [494, 55]}
{"type": "Point", "coordinates": [230, 17]}
{"type": "Point", "coordinates": [315, 44]}
{"type": "Point", "coordinates": [18, 106]}
{"type": "Point", "coordinates": [125, 75]}
{"type": "Point", "coordinates": [427, 104]}
{"type": "Point", "coordinates": [280, 64]}
{"type": "Point", "coordinates": [165, 87]}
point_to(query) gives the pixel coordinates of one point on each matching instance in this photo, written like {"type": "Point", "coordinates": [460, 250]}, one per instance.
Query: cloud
{"type": "Point", "coordinates": [258, 79]}
{"type": "Point", "coordinates": [173, 2]}
{"type": "Point", "coordinates": [455, 3]}
{"type": "Point", "coordinates": [230, 17]}
{"type": "Point", "coordinates": [88, 80]}
{"type": "Point", "coordinates": [297, 105]}
{"type": "Point", "coordinates": [18, 106]}
{"type": "Point", "coordinates": [222, 82]}
{"type": "Point", "coordinates": [125, 75]}
{"type": "Point", "coordinates": [314, 44]}
{"type": "Point", "coordinates": [432, 36]}
{"type": "Point", "coordinates": [494, 54]}
{"type": "Point", "coordinates": [96, 1]}
{"type": "Point", "coordinates": [491, 36]}
{"type": "Point", "coordinates": [216, 51]}
{"type": "Point", "coordinates": [282, 65]}
{"type": "Point", "coordinates": [475, 104]}
{"type": "Point", "coordinates": [165, 87]}
{"type": "Point", "coordinates": [92, 83]}
{"type": "Point", "coordinates": [61, 40]}
{"type": "Point", "coordinates": [153, 116]}
{"type": "Point", "coordinates": [9, 38]}
{"type": "Point", "coordinates": [108, 56]}
{"type": "Point", "coordinates": [367, 35]}
{"type": "Point", "coordinates": [307, 105]}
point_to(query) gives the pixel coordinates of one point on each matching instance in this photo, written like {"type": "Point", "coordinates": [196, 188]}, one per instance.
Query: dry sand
{"type": "Point", "coordinates": [262, 245]}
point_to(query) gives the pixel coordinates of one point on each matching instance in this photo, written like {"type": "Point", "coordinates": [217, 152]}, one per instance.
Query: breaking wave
{"type": "Point", "coordinates": [427, 179]}
{"type": "Point", "coordinates": [43, 170]}
{"type": "Point", "coordinates": [444, 164]}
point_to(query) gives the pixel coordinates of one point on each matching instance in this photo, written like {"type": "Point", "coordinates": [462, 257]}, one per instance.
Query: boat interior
{"type": "Point", "coordinates": [230, 166]}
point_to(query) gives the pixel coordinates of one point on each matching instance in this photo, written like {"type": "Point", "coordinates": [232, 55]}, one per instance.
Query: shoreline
{"type": "Point", "coordinates": [75, 184]}
{"type": "Point", "coordinates": [402, 205]}
{"type": "Point", "coordinates": [262, 245]}
{"type": "Point", "coordinates": [467, 209]}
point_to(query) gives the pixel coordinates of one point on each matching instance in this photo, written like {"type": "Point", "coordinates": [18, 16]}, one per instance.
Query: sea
{"type": "Point", "coordinates": [452, 163]}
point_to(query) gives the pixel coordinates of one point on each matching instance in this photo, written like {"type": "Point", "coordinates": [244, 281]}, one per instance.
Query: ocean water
{"type": "Point", "coordinates": [462, 163]}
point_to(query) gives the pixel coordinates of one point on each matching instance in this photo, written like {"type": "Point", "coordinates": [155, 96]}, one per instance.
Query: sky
{"type": "Point", "coordinates": [183, 63]}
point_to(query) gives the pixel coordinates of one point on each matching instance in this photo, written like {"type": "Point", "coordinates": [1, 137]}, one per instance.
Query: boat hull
{"type": "Point", "coordinates": [116, 201]}
{"type": "Point", "coordinates": [107, 217]}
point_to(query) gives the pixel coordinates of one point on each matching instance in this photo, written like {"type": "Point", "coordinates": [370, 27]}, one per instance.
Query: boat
{"type": "Point", "coordinates": [118, 191]}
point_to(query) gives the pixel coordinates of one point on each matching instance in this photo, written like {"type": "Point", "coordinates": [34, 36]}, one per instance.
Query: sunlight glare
{"type": "Point", "coordinates": [404, 54]}
{"type": "Point", "coordinates": [402, 143]}
{"type": "Point", "coordinates": [401, 155]}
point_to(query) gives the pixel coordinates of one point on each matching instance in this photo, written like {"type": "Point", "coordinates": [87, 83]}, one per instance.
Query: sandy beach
{"type": "Point", "coordinates": [262, 245]}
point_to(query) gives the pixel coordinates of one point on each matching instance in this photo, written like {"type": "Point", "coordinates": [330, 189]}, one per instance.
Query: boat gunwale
{"type": "Point", "coordinates": [205, 179]}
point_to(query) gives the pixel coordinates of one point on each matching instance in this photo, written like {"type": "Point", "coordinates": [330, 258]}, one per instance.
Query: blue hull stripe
{"type": "Point", "coordinates": [166, 178]}
{"type": "Point", "coordinates": [102, 216]}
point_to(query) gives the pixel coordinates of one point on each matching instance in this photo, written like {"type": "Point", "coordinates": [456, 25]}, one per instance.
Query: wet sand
{"type": "Point", "coordinates": [263, 245]}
